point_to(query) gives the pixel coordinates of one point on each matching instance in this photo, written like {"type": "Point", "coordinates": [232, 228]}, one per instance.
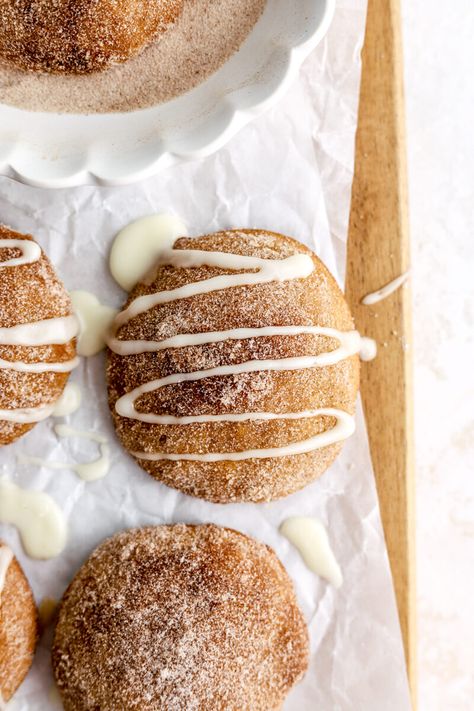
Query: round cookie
{"type": "Point", "coordinates": [179, 617]}
{"type": "Point", "coordinates": [32, 377]}
{"type": "Point", "coordinates": [18, 624]}
{"type": "Point", "coordinates": [80, 36]}
{"type": "Point", "coordinates": [189, 455]}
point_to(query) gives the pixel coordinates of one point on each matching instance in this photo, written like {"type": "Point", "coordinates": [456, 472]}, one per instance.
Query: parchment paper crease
{"type": "Point", "coordinates": [290, 171]}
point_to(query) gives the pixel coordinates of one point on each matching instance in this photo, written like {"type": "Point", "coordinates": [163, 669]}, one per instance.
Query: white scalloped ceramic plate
{"type": "Point", "coordinates": [62, 150]}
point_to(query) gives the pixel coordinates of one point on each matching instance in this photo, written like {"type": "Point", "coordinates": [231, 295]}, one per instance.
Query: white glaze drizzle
{"type": "Point", "coordinates": [343, 429]}
{"type": "Point", "coordinates": [351, 341]}
{"type": "Point", "coordinates": [27, 415]}
{"type": "Point", "coordinates": [50, 331]}
{"type": "Point", "coordinates": [40, 521]}
{"type": "Point", "coordinates": [298, 266]}
{"type": "Point", "coordinates": [53, 331]}
{"type": "Point", "coordinates": [30, 252]}
{"type": "Point", "coordinates": [375, 296]}
{"type": "Point", "coordinates": [310, 538]}
{"type": "Point", "coordinates": [47, 332]}
{"type": "Point", "coordinates": [98, 468]}
{"type": "Point", "coordinates": [6, 557]}
{"type": "Point", "coordinates": [125, 406]}
{"type": "Point", "coordinates": [87, 471]}
{"type": "Point", "coordinates": [264, 270]}
{"type": "Point", "coordinates": [40, 367]}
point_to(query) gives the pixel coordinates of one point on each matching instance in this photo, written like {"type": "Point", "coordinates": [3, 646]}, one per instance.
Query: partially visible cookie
{"type": "Point", "coordinates": [80, 36]}
{"type": "Point", "coordinates": [37, 335]}
{"type": "Point", "coordinates": [18, 624]}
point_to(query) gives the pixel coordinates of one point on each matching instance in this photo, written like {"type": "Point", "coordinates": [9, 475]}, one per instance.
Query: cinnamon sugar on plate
{"type": "Point", "coordinates": [202, 40]}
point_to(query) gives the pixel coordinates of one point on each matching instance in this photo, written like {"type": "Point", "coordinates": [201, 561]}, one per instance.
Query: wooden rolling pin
{"type": "Point", "coordinates": [378, 251]}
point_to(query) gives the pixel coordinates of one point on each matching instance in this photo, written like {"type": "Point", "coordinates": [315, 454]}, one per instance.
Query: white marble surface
{"type": "Point", "coordinates": [439, 61]}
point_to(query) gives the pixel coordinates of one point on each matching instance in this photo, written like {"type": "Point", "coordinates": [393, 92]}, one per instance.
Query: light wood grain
{"type": "Point", "coordinates": [378, 251]}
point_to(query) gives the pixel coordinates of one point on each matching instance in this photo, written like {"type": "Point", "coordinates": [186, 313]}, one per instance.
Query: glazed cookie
{"type": "Point", "coordinates": [234, 369]}
{"type": "Point", "coordinates": [37, 335]}
{"type": "Point", "coordinates": [80, 36]}
{"type": "Point", "coordinates": [18, 624]}
{"type": "Point", "coordinates": [179, 617]}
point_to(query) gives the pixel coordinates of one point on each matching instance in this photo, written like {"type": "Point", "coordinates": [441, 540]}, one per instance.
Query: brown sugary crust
{"type": "Point", "coordinates": [18, 630]}
{"type": "Point", "coordinates": [80, 36]}
{"type": "Point", "coordinates": [179, 617]}
{"type": "Point", "coordinates": [316, 300]}
{"type": "Point", "coordinates": [30, 292]}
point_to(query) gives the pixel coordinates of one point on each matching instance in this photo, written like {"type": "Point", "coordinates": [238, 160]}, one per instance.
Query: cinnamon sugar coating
{"type": "Point", "coordinates": [179, 617]}
{"type": "Point", "coordinates": [80, 36]}
{"type": "Point", "coordinates": [316, 300]}
{"type": "Point", "coordinates": [28, 293]}
{"type": "Point", "coordinates": [18, 630]}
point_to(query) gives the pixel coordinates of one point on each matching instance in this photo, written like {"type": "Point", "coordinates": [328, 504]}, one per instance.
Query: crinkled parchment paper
{"type": "Point", "coordinates": [290, 171]}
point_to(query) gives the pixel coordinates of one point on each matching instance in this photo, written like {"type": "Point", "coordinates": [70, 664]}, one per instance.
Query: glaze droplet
{"type": "Point", "coordinates": [310, 537]}
{"type": "Point", "coordinates": [95, 321]}
{"type": "Point", "coordinates": [69, 401]}
{"type": "Point", "coordinates": [137, 247]}
{"type": "Point", "coordinates": [39, 520]}
{"type": "Point", "coordinates": [368, 349]}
